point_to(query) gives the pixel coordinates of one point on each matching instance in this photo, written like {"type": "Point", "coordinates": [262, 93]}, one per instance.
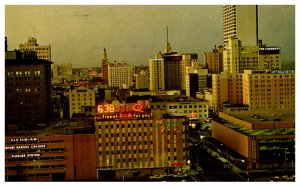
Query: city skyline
{"type": "Point", "coordinates": [122, 30]}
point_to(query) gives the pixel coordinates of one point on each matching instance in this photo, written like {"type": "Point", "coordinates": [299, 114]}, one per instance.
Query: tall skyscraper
{"type": "Point", "coordinates": [174, 73]}
{"type": "Point", "coordinates": [241, 21]}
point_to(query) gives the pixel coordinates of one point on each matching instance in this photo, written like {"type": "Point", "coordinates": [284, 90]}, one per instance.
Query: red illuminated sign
{"type": "Point", "coordinates": [135, 111]}
{"type": "Point", "coordinates": [109, 108]}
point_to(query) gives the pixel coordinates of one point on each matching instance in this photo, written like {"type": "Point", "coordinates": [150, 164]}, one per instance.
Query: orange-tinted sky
{"type": "Point", "coordinates": [78, 34]}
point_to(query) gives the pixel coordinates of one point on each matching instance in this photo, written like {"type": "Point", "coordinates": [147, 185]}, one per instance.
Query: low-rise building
{"type": "Point", "coordinates": [265, 140]}
{"type": "Point", "coordinates": [51, 153]}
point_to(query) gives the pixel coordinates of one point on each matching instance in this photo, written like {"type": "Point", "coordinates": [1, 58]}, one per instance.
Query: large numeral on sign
{"type": "Point", "coordinates": [100, 109]}
{"type": "Point", "coordinates": [108, 108]}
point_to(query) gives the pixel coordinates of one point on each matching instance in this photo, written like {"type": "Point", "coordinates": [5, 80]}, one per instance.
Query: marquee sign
{"type": "Point", "coordinates": [111, 112]}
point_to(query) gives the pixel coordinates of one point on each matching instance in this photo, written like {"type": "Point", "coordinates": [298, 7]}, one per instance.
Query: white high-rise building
{"type": "Point", "coordinates": [241, 21]}
{"type": "Point", "coordinates": [120, 75]}
{"type": "Point", "coordinates": [157, 74]}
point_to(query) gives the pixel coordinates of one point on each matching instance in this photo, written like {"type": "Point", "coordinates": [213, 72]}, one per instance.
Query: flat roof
{"type": "Point", "coordinates": [264, 117]}
{"type": "Point", "coordinates": [50, 130]}
{"type": "Point", "coordinates": [255, 132]}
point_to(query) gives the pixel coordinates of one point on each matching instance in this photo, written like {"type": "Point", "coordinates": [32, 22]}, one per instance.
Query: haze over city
{"type": "Point", "coordinates": [78, 34]}
{"type": "Point", "coordinates": [149, 93]}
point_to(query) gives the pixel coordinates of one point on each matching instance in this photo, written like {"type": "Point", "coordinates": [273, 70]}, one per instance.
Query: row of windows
{"type": "Point", "coordinates": [129, 160]}
{"type": "Point", "coordinates": [123, 134]}
{"type": "Point", "coordinates": [185, 106]}
{"type": "Point", "coordinates": [84, 99]}
{"type": "Point", "coordinates": [125, 125]}
{"type": "Point", "coordinates": [79, 95]}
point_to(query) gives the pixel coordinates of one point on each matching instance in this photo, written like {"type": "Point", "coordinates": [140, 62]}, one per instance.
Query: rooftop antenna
{"type": "Point", "coordinates": [167, 35]}
{"type": "Point", "coordinates": [34, 31]}
{"type": "Point", "coordinates": [167, 48]}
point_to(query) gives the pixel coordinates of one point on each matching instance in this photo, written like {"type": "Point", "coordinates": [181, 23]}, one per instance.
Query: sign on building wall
{"type": "Point", "coordinates": [111, 112]}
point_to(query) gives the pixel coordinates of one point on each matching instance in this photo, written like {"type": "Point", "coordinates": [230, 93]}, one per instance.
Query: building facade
{"type": "Point", "coordinates": [43, 52]}
{"type": "Point", "coordinates": [142, 80]}
{"type": "Point", "coordinates": [214, 60]}
{"type": "Point", "coordinates": [50, 155]}
{"type": "Point", "coordinates": [195, 109]}
{"type": "Point", "coordinates": [269, 57]}
{"type": "Point", "coordinates": [120, 75]}
{"type": "Point", "coordinates": [81, 97]}
{"type": "Point", "coordinates": [241, 21]}
{"type": "Point", "coordinates": [27, 90]}
{"type": "Point", "coordinates": [132, 140]}
{"type": "Point", "coordinates": [226, 87]}
{"type": "Point", "coordinates": [237, 58]}
{"type": "Point", "coordinates": [264, 140]}
{"type": "Point", "coordinates": [157, 74]}
{"type": "Point", "coordinates": [269, 90]}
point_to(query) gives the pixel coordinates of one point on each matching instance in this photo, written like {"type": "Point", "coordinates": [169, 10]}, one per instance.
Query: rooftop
{"type": "Point", "coordinates": [264, 117]}
{"type": "Point", "coordinates": [260, 132]}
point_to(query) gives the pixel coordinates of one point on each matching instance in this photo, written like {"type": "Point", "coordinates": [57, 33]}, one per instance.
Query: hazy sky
{"type": "Point", "coordinates": [78, 34]}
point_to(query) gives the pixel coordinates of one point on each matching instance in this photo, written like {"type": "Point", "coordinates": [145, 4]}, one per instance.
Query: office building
{"type": "Point", "coordinates": [174, 69]}
{"type": "Point", "coordinates": [51, 153]}
{"type": "Point", "coordinates": [27, 89]}
{"type": "Point", "coordinates": [241, 21]}
{"type": "Point", "coordinates": [194, 109]}
{"type": "Point", "coordinates": [188, 60]}
{"type": "Point", "coordinates": [196, 80]}
{"type": "Point", "coordinates": [269, 57]}
{"type": "Point", "coordinates": [120, 75]}
{"type": "Point", "coordinates": [142, 80]}
{"type": "Point", "coordinates": [134, 142]}
{"type": "Point", "coordinates": [263, 141]}
{"type": "Point", "coordinates": [269, 90]}
{"type": "Point", "coordinates": [42, 52]}
{"type": "Point", "coordinates": [214, 60]}
{"type": "Point", "coordinates": [157, 74]}
{"type": "Point", "coordinates": [226, 88]}
{"type": "Point", "coordinates": [80, 97]}
{"type": "Point", "coordinates": [237, 58]}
